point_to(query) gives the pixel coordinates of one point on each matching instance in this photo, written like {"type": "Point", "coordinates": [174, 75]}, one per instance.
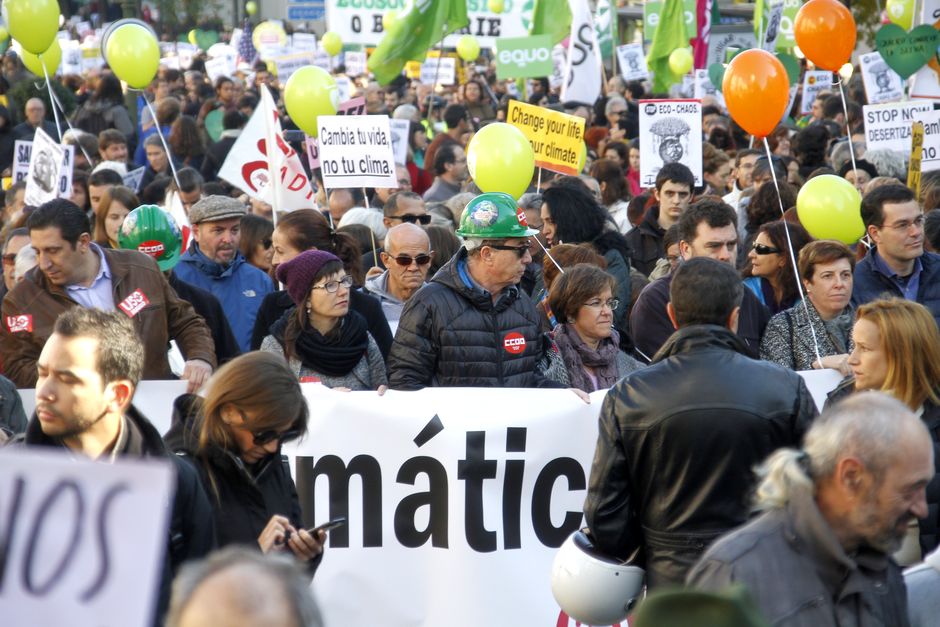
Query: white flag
{"type": "Point", "coordinates": [583, 67]}
{"type": "Point", "coordinates": [258, 152]}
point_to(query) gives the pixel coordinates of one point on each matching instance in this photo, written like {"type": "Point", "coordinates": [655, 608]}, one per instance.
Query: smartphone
{"type": "Point", "coordinates": [328, 526]}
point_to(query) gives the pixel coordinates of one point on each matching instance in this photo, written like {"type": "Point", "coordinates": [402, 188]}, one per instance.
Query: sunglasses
{"type": "Point", "coordinates": [760, 249]}
{"type": "Point", "coordinates": [424, 219]}
{"type": "Point", "coordinates": [519, 250]}
{"type": "Point", "coordinates": [264, 437]}
{"type": "Point", "coordinates": [406, 261]}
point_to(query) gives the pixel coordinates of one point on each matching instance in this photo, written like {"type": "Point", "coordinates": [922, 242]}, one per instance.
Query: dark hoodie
{"type": "Point", "coordinates": [6, 139]}
{"type": "Point", "coordinates": [190, 534]}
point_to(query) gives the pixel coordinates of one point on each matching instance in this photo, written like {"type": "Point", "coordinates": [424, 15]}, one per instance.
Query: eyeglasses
{"type": "Point", "coordinates": [617, 113]}
{"type": "Point", "coordinates": [405, 261]}
{"type": "Point", "coordinates": [902, 225]}
{"type": "Point", "coordinates": [9, 259]}
{"type": "Point", "coordinates": [332, 286]}
{"type": "Point", "coordinates": [519, 250]}
{"type": "Point", "coordinates": [597, 303]}
{"type": "Point", "coordinates": [264, 437]}
{"type": "Point", "coordinates": [423, 219]}
{"type": "Point", "coordinates": [760, 249]}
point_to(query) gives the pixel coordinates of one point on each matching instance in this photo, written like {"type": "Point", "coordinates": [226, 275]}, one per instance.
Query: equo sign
{"type": "Point", "coordinates": [524, 57]}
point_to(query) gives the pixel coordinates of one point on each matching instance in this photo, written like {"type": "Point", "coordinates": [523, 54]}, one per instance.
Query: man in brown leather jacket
{"type": "Point", "coordinates": [73, 271]}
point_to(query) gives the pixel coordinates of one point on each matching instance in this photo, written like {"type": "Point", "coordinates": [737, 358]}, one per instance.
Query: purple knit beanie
{"type": "Point", "coordinates": [298, 273]}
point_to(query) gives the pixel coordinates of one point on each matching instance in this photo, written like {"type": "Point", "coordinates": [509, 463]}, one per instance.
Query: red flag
{"type": "Point", "coordinates": [703, 11]}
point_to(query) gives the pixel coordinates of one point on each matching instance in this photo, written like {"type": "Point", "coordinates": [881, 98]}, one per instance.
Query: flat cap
{"type": "Point", "coordinates": [214, 208]}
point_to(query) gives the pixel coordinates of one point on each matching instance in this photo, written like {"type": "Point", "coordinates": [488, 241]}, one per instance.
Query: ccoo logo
{"type": "Point", "coordinates": [514, 343]}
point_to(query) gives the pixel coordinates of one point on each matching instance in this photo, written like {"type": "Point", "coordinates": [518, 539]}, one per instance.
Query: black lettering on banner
{"type": "Point", "coordinates": [356, 24]}
{"type": "Point", "coordinates": [376, 22]}
{"type": "Point", "coordinates": [9, 530]}
{"type": "Point", "coordinates": [512, 488]}
{"type": "Point", "coordinates": [72, 544]}
{"type": "Point", "coordinates": [105, 569]}
{"type": "Point", "coordinates": [546, 532]}
{"type": "Point", "coordinates": [474, 470]}
{"type": "Point", "coordinates": [435, 499]}
{"type": "Point", "coordinates": [580, 52]}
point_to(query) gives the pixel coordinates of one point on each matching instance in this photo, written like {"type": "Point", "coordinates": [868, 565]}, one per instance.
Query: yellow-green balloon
{"type": "Point", "coordinates": [4, 33]}
{"type": "Point", "coordinates": [829, 207]}
{"type": "Point", "coordinates": [133, 54]}
{"type": "Point", "coordinates": [49, 58]}
{"type": "Point", "coordinates": [309, 93]}
{"type": "Point", "coordinates": [390, 20]}
{"type": "Point", "coordinates": [680, 61]}
{"type": "Point", "coordinates": [901, 12]}
{"type": "Point", "coordinates": [468, 48]}
{"type": "Point", "coordinates": [33, 23]}
{"type": "Point", "coordinates": [251, 7]}
{"type": "Point", "coordinates": [496, 6]}
{"type": "Point", "coordinates": [500, 159]}
{"type": "Point", "coordinates": [191, 36]}
{"type": "Point", "coordinates": [332, 43]}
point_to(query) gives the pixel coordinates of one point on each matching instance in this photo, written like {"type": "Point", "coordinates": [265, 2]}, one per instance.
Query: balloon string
{"type": "Point", "coordinates": [848, 132]}
{"type": "Point", "coordinates": [796, 269]}
{"type": "Point", "coordinates": [56, 102]}
{"type": "Point", "coordinates": [169, 155]}
{"type": "Point", "coordinates": [55, 114]}
{"type": "Point", "coordinates": [538, 183]}
{"type": "Point", "coordinates": [548, 254]}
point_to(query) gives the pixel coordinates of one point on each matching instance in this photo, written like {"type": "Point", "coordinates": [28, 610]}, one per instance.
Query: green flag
{"type": "Point", "coordinates": [670, 34]}
{"type": "Point", "coordinates": [758, 20]}
{"type": "Point", "coordinates": [551, 17]}
{"type": "Point", "coordinates": [421, 25]}
{"type": "Point", "coordinates": [605, 25]}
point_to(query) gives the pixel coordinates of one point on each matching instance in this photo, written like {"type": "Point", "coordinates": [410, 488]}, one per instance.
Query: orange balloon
{"type": "Point", "coordinates": [756, 90]}
{"type": "Point", "coordinates": [825, 32]}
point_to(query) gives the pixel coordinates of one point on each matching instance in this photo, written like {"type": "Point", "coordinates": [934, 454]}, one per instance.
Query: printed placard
{"type": "Point", "coordinates": [446, 75]}
{"type": "Point", "coordinates": [632, 62]}
{"type": "Point", "coordinates": [556, 137]}
{"type": "Point", "coordinates": [399, 130]}
{"type": "Point", "coordinates": [888, 126]}
{"type": "Point", "coordinates": [132, 179]}
{"type": "Point", "coordinates": [523, 57]}
{"type": "Point", "coordinates": [356, 151]}
{"type": "Point", "coordinates": [220, 66]}
{"type": "Point", "coordinates": [45, 165]}
{"type": "Point", "coordinates": [355, 63]}
{"type": "Point", "coordinates": [22, 152]}
{"type": "Point", "coordinates": [770, 27]}
{"type": "Point", "coordinates": [882, 84]}
{"type": "Point", "coordinates": [304, 42]}
{"type": "Point", "coordinates": [814, 81]}
{"type": "Point", "coordinates": [286, 65]}
{"type": "Point", "coordinates": [703, 87]}
{"type": "Point", "coordinates": [670, 132]}
{"type": "Point", "coordinates": [85, 540]}
{"type": "Point", "coordinates": [356, 106]}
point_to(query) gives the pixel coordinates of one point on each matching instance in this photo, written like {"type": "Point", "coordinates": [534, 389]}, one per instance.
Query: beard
{"type": "Point", "coordinates": [879, 534]}
{"type": "Point", "coordinates": [70, 428]}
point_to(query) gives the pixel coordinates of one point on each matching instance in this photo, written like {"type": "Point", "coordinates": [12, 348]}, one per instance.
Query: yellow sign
{"type": "Point", "coordinates": [917, 151]}
{"type": "Point", "coordinates": [557, 138]}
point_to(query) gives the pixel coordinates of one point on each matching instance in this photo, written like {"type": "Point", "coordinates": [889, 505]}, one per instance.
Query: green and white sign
{"type": "Point", "coordinates": [651, 11]}
{"type": "Point", "coordinates": [524, 57]}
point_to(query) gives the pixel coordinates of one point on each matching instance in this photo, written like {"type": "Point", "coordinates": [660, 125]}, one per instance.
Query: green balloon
{"type": "Point", "coordinates": [792, 66]}
{"type": "Point", "coordinates": [716, 74]}
{"type": "Point", "coordinates": [904, 52]}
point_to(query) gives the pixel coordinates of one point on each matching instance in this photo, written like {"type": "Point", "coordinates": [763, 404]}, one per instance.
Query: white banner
{"type": "Point", "coordinates": [399, 130]}
{"type": "Point", "coordinates": [632, 62]}
{"type": "Point", "coordinates": [769, 31]}
{"type": "Point", "coordinates": [930, 158]}
{"type": "Point", "coordinates": [288, 64]}
{"type": "Point", "coordinates": [583, 66]}
{"type": "Point", "coordinates": [22, 151]}
{"type": "Point", "coordinates": [83, 541]}
{"type": "Point", "coordinates": [670, 132]}
{"type": "Point", "coordinates": [446, 75]}
{"type": "Point", "coordinates": [45, 164]}
{"type": "Point", "coordinates": [814, 81]}
{"type": "Point", "coordinates": [888, 127]}
{"type": "Point", "coordinates": [356, 151]}
{"type": "Point", "coordinates": [882, 84]}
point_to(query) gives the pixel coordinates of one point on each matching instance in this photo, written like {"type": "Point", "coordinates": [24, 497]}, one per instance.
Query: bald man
{"type": "Point", "coordinates": [35, 112]}
{"type": "Point", "coordinates": [407, 255]}
{"type": "Point", "coordinates": [238, 587]}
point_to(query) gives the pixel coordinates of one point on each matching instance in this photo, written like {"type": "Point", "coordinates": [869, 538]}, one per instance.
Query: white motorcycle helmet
{"type": "Point", "coordinates": [593, 588]}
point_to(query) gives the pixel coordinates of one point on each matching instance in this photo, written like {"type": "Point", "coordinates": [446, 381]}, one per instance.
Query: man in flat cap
{"type": "Point", "coordinates": [214, 263]}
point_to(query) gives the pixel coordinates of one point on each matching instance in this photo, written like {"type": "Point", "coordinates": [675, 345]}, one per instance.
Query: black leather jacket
{"type": "Point", "coordinates": [677, 445]}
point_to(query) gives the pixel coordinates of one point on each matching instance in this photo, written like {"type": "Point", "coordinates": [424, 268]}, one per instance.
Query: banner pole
{"type": "Point", "coordinates": [440, 55]}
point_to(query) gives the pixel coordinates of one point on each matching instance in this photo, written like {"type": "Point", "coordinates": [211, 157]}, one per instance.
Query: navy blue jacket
{"type": "Point", "coordinates": [870, 284]}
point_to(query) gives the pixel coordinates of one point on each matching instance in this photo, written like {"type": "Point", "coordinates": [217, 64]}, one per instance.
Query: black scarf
{"type": "Point", "coordinates": [335, 355]}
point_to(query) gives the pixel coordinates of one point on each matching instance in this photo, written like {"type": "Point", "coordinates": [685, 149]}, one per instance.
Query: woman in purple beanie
{"type": "Point", "coordinates": [321, 338]}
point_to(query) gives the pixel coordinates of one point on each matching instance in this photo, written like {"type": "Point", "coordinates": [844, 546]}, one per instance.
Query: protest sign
{"type": "Point", "coordinates": [220, 66]}
{"type": "Point", "coordinates": [22, 152]}
{"type": "Point", "coordinates": [882, 84]}
{"type": "Point", "coordinates": [343, 87]}
{"type": "Point", "coordinates": [559, 56]}
{"type": "Point", "coordinates": [303, 42]}
{"type": "Point", "coordinates": [652, 10]}
{"type": "Point", "coordinates": [632, 62]}
{"type": "Point", "coordinates": [584, 66]}
{"type": "Point", "coordinates": [888, 126]}
{"type": "Point", "coordinates": [399, 130]}
{"type": "Point", "coordinates": [323, 60]}
{"type": "Point", "coordinates": [286, 65]}
{"type": "Point", "coordinates": [769, 26]}
{"type": "Point", "coordinates": [356, 151]}
{"type": "Point", "coordinates": [703, 87]}
{"type": "Point", "coordinates": [670, 132]}
{"type": "Point", "coordinates": [356, 106]}
{"type": "Point", "coordinates": [556, 138]}
{"type": "Point", "coordinates": [83, 541]}
{"type": "Point", "coordinates": [71, 57]}
{"type": "Point", "coordinates": [814, 81]}
{"type": "Point", "coordinates": [930, 153]}
{"type": "Point", "coordinates": [43, 172]}
{"type": "Point", "coordinates": [132, 179]}
{"type": "Point", "coordinates": [914, 168]}
{"type": "Point", "coordinates": [446, 75]}
{"type": "Point", "coordinates": [727, 36]}
{"type": "Point", "coordinates": [355, 63]}
{"type": "Point", "coordinates": [523, 57]}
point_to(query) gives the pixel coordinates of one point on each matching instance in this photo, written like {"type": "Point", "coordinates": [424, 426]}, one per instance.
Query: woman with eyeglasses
{"type": "Point", "coordinates": [253, 404]}
{"type": "Point", "coordinates": [771, 275]}
{"type": "Point", "coordinates": [583, 304]}
{"type": "Point", "coordinates": [322, 340]}
{"type": "Point", "coordinates": [826, 268]}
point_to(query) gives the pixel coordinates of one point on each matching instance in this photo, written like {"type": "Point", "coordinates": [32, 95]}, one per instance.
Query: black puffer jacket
{"type": "Point", "coordinates": [929, 527]}
{"type": "Point", "coordinates": [453, 335]}
{"type": "Point", "coordinates": [677, 445]}
{"type": "Point", "coordinates": [243, 500]}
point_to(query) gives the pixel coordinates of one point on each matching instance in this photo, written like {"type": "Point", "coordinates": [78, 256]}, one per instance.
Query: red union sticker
{"type": "Point", "coordinates": [134, 303]}
{"type": "Point", "coordinates": [520, 215]}
{"type": "Point", "coordinates": [310, 379]}
{"type": "Point", "coordinates": [20, 324]}
{"type": "Point", "coordinates": [152, 247]}
{"type": "Point", "coordinates": [514, 343]}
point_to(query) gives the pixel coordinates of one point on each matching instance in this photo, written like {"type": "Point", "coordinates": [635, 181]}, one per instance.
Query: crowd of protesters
{"type": "Point", "coordinates": [694, 304]}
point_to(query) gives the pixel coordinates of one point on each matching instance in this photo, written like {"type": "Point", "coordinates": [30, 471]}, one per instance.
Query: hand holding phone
{"type": "Point", "coordinates": [327, 526]}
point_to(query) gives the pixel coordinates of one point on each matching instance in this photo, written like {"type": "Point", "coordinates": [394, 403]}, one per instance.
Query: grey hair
{"type": "Point", "coordinates": [457, 203]}
{"type": "Point", "coordinates": [614, 100]}
{"type": "Point", "coordinates": [281, 569]}
{"type": "Point", "coordinates": [371, 218]}
{"type": "Point", "coordinates": [406, 112]}
{"type": "Point", "coordinates": [866, 426]}
{"type": "Point", "coordinates": [888, 163]}
{"type": "Point", "coordinates": [840, 154]}
{"type": "Point", "coordinates": [531, 201]}
{"type": "Point", "coordinates": [154, 140]}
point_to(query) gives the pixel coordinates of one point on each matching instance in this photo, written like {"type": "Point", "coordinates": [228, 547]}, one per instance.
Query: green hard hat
{"type": "Point", "coordinates": [152, 231]}
{"type": "Point", "coordinates": [494, 215]}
